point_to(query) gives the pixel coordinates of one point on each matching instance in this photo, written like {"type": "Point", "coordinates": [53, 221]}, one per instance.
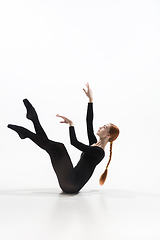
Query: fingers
{"type": "Point", "coordinates": [87, 85]}
{"type": "Point", "coordinates": [85, 91]}
{"type": "Point", "coordinates": [66, 120]}
{"type": "Point", "coordinates": [60, 116]}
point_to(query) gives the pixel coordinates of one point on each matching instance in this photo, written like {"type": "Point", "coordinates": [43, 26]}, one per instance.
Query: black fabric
{"type": "Point", "coordinates": [71, 179]}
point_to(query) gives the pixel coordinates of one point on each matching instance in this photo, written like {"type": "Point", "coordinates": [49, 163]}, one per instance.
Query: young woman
{"type": "Point", "coordinates": [72, 179]}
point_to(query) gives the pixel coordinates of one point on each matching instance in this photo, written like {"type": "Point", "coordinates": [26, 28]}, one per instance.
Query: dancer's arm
{"type": "Point", "coordinates": [94, 151]}
{"type": "Point", "coordinates": [65, 120]}
{"type": "Point", "coordinates": [90, 131]}
{"type": "Point", "coordinates": [88, 93]}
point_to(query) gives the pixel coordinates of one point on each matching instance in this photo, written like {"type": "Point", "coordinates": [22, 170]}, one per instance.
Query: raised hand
{"type": "Point", "coordinates": [65, 120]}
{"type": "Point", "coordinates": [88, 92]}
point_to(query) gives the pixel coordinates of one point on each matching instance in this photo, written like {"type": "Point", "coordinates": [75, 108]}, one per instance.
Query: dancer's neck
{"type": "Point", "coordinates": [101, 143]}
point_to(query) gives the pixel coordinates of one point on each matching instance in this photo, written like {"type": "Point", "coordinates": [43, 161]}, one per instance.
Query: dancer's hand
{"type": "Point", "coordinates": [65, 120]}
{"type": "Point", "coordinates": [88, 92]}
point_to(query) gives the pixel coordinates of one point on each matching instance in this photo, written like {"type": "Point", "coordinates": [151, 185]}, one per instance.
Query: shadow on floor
{"type": "Point", "coordinates": [54, 192]}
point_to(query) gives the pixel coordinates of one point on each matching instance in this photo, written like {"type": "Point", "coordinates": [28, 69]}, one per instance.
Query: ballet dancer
{"type": "Point", "coordinates": [72, 179]}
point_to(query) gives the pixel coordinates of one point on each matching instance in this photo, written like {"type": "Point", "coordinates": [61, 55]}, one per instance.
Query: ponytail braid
{"type": "Point", "coordinates": [104, 175]}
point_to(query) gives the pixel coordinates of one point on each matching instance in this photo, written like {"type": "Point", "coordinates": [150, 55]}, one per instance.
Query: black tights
{"type": "Point", "coordinates": [59, 156]}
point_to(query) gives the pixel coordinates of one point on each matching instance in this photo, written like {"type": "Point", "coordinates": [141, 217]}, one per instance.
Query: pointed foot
{"type": "Point", "coordinates": [22, 132]}
{"type": "Point", "coordinates": [31, 112]}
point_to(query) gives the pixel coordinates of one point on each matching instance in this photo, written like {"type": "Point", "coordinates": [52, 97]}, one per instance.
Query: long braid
{"type": "Point", "coordinates": [110, 155]}
{"type": "Point", "coordinates": [104, 175]}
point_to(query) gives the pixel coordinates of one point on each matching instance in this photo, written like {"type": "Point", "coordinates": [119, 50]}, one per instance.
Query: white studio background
{"type": "Point", "coordinates": [48, 51]}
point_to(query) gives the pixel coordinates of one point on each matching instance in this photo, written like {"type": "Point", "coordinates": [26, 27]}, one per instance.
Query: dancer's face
{"type": "Point", "coordinates": [104, 131]}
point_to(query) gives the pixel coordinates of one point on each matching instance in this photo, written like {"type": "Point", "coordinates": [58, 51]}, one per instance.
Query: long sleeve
{"type": "Point", "coordinates": [89, 119]}
{"type": "Point", "coordinates": [94, 151]}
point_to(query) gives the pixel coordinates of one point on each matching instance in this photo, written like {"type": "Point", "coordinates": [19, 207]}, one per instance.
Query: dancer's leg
{"type": "Point", "coordinates": [42, 142]}
{"type": "Point", "coordinates": [32, 115]}
{"type": "Point", "coordinates": [60, 159]}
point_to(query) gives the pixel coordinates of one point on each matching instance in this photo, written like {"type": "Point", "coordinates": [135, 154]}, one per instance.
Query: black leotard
{"type": "Point", "coordinates": [71, 179]}
{"type": "Point", "coordinates": [91, 156]}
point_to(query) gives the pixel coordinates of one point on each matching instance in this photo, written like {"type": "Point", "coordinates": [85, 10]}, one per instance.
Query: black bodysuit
{"type": "Point", "coordinates": [71, 179]}
{"type": "Point", "coordinates": [91, 156]}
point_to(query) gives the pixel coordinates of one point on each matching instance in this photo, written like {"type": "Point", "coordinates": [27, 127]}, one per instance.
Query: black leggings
{"type": "Point", "coordinates": [59, 156]}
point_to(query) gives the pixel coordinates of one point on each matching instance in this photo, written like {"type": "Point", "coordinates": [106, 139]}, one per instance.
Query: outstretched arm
{"type": "Point", "coordinates": [65, 120]}
{"type": "Point", "coordinates": [82, 147]}
{"type": "Point", "coordinates": [90, 131]}
{"type": "Point", "coordinates": [88, 93]}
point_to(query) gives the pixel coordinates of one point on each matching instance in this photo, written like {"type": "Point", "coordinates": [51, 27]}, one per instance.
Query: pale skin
{"type": "Point", "coordinates": [103, 132]}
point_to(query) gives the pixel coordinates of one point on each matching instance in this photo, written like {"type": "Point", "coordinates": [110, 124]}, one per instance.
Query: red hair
{"type": "Point", "coordinates": [114, 132]}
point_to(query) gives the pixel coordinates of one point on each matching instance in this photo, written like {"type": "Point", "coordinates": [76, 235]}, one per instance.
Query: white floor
{"type": "Point", "coordinates": [38, 214]}
{"type": "Point", "coordinates": [127, 207]}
